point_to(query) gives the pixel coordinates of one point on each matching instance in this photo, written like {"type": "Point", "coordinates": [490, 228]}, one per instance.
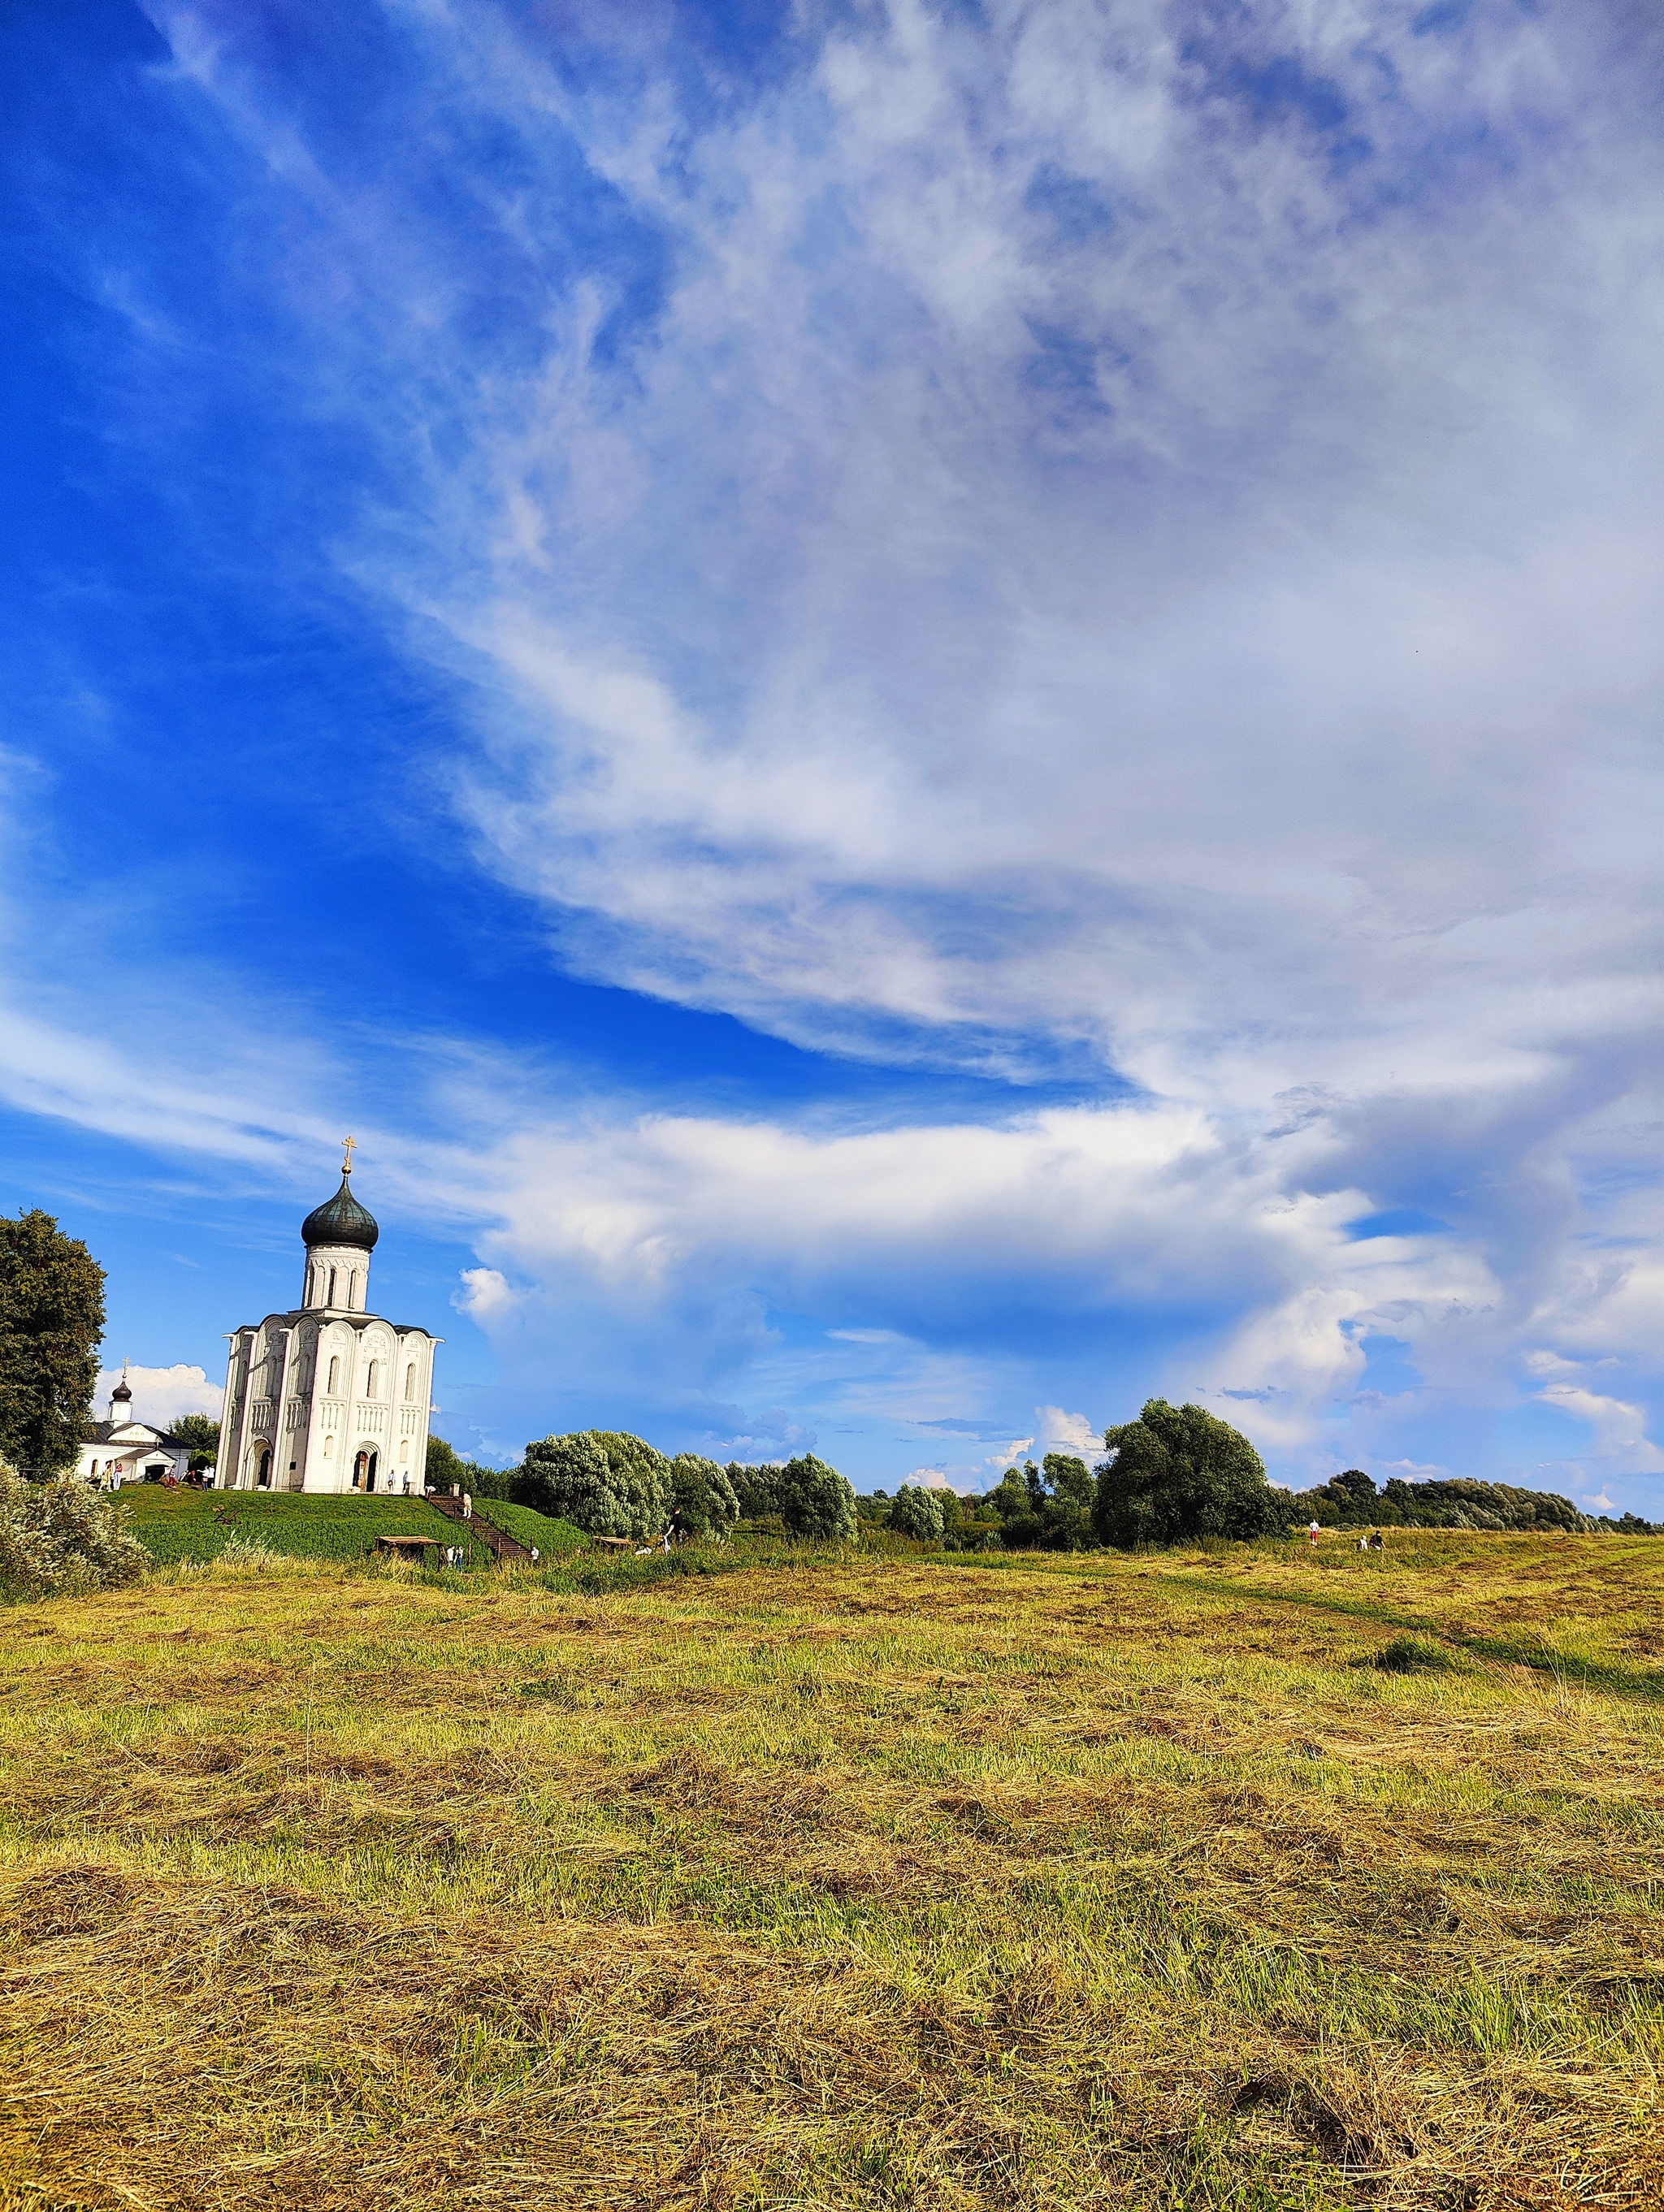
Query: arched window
{"type": "Point", "coordinates": [352, 1295]}
{"type": "Point", "coordinates": [374, 1378]}
{"type": "Point", "coordinates": [409, 1382]}
{"type": "Point", "coordinates": [334, 1376]}
{"type": "Point", "coordinates": [329, 1447]}
{"type": "Point", "coordinates": [332, 1287]}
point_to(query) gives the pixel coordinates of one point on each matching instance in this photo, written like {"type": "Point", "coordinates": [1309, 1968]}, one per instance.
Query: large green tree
{"type": "Point", "coordinates": [815, 1500]}
{"type": "Point", "coordinates": [52, 1319]}
{"type": "Point", "coordinates": [201, 1433]}
{"type": "Point", "coordinates": [602, 1480]}
{"type": "Point", "coordinates": [702, 1494]}
{"type": "Point", "coordinates": [916, 1511]}
{"type": "Point", "coordinates": [1177, 1473]}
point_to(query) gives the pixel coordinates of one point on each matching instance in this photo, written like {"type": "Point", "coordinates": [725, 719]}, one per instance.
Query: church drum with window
{"type": "Point", "coordinates": [329, 1396]}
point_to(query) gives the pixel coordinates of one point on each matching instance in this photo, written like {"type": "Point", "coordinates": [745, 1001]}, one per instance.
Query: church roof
{"type": "Point", "coordinates": [131, 1432]}
{"type": "Point", "coordinates": [341, 1221]}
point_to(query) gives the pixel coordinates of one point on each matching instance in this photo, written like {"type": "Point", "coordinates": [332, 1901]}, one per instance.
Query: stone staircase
{"type": "Point", "coordinates": [499, 1546]}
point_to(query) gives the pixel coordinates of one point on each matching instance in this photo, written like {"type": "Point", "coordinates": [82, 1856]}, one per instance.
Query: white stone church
{"type": "Point", "coordinates": [329, 1396]}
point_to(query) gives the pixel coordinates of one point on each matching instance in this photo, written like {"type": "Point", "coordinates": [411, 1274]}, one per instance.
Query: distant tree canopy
{"type": "Point", "coordinates": [916, 1511]}
{"type": "Point", "coordinates": [52, 1319]}
{"type": "Point", "coordinates": [602, 1480]}
{"type": "Point", "coordinates": [446, 1469]}
{"type": "Point", "coordinates": [200, 1435]}
{"type": "Point", "coordinates": [812, 1498]}
{"type": "Point", "coordinates": [1178, 1472]}
{"type": "Point", "coordinates": [1048, 1507]}
{"type": "Point", "coordinates": [757, 1488]}
{"type": "Point", "coordinates": [1351, 1501]}
{"type": "Point", "coordinates": [702, 1495]}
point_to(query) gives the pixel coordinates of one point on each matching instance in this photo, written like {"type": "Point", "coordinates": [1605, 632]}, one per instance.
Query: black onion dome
{"type": "Point", "coordinates": [340, 1221]}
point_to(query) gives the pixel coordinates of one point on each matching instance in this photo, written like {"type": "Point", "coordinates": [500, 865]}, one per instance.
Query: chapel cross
{"type": "Point", "coordinates": [350, 1146]}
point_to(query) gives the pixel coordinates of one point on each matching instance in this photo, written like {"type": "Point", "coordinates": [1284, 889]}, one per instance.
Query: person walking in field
{"type": "Point", "coordinates": [1312, 1534]}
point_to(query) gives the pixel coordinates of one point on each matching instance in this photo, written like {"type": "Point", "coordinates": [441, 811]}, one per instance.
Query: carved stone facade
{"type": "Point", "coordinates": [329, 1397]}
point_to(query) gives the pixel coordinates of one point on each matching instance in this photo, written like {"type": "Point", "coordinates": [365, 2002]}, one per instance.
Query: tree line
{"type": "Point", "coordinates": [1175, 1473]}
{"type": "Point", "coordinates": [609, 1483]}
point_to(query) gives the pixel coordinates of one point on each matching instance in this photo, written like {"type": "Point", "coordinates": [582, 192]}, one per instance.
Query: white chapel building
{"type": "Point", "coordinates": [124, 1449]}
{"type": "Point", "coordinates": [329, 1396]}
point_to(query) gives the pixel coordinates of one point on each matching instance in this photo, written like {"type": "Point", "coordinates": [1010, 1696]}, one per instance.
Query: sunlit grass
{"type": "Point", "coordinates": [822, 1879]}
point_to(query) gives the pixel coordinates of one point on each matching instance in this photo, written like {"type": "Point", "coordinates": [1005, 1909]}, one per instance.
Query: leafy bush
{"type": "Point", "coordinates": [815, 1500]}
{"type": "Point", "coordinates": [63, 1535]}
{"type": "Point", "coordinates": [701, 1492]}
{"type": "Point", "coordinates": [916, 1511]}
{"type": "Point", "coordinates": [604, 1482]}
{"type": "Point", "coordinates": [1179, 1473]}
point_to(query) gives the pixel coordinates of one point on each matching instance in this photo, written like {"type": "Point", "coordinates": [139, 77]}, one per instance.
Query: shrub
{"type": "Point", "coordinates": [604, 1482]}
{"type": "Point", "coordinates": [702, 1495]}
{"type": "Point", "coordinates": [63, 1535]}
{"type": "Point", "coordinates": [915, 1512]}
{"type": "Point", "coordinates": [1179, 1473]}
{"type": "Point", "coordinates": [815, 1500]}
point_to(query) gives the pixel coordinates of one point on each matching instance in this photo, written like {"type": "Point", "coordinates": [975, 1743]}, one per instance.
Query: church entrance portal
{"type": "Point", "coordinates": [363, 1470]}
{"type": "Point", "coordinates": [263, 1468]}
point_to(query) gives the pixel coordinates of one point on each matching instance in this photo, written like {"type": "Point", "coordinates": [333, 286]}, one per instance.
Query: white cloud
{"type": "Point", "coordinates": [1068, 1432]}
{"type": "Point", "coordinates": [160, 1394]}
{"type": "Point", "coordinates": [1619, 1428]}
{"type": "Point", "coordinates": [484, 1295]}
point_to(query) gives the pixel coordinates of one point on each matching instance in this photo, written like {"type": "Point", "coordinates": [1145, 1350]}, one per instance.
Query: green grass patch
{"type": "Point", "coordinates": [174, 1525]}
{"type": "Point", "coordinates": [554, 1539]}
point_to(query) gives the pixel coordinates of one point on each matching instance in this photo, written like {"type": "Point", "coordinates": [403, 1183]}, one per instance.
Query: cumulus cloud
{"type": "Point", "coordinates": [160, 1394]}
{"type": "Point", "coordinates": [1068, 1432]}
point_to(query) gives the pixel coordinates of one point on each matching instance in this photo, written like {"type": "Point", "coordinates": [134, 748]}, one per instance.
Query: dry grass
{"type": "Point", "coordinates": [898, 1882]}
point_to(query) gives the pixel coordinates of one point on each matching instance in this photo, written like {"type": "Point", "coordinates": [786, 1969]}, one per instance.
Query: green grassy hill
{"type": "Point", "coordinates": [554, 1539]}
{"type": "Point", "coordinates": [197, 1524]}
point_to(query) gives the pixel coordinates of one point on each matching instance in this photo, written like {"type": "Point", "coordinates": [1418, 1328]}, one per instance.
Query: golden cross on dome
{"type": "Point", "coordinates": [349, 1145]}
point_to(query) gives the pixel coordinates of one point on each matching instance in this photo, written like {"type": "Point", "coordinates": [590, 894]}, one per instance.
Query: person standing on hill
{"type": "Point", "coordinates": [1312, 1534]}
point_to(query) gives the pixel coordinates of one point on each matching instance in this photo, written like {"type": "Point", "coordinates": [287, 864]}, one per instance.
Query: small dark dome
{"type": "Point", "coordinates": [340, 1221]}
{"type": "Point", "coordinates": [122, 1392]}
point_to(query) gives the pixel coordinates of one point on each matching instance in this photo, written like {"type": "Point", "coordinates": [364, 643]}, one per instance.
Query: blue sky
{"type": "Point", "coordinates": [930, 716]}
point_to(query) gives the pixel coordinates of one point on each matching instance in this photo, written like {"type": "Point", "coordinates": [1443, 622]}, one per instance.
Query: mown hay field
{"type": "Point", "coordinates": [842, 1881]}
